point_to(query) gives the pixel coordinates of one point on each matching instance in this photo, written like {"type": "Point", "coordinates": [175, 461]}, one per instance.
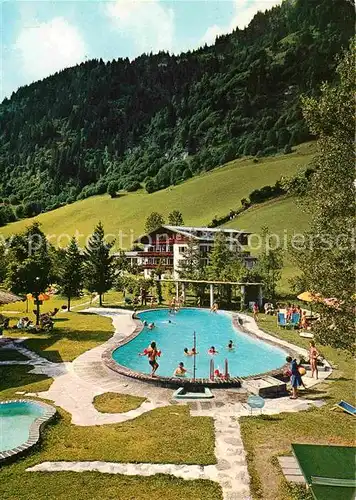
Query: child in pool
{"type": "Point", "coordinates": [180, 371]}
{"type": "Point", "coordinates": [212, 350]}
{"type": "Point", "coordinates": [230, 346]}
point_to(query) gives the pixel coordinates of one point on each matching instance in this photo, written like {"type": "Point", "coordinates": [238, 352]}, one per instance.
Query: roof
{"type": "Point", "coordinates": [200, 233]}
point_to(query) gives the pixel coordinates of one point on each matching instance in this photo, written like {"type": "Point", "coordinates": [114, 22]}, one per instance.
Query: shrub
{"type": "Point", "coordinates": [132, 186]}
{"type": "Point", "coordinates": [112, 189]}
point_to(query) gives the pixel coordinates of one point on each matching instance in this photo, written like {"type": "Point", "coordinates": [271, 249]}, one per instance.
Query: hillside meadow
{"type": "Point", "coordinates": [199, 199]}
{"type": "Point", "coordinates": [284, 218]}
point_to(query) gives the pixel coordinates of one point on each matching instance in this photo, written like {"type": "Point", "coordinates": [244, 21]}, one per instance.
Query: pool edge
{"type": "Point", "coordinates": [34, 430]}
{"type": "Point", "coordinates": [174, 382]}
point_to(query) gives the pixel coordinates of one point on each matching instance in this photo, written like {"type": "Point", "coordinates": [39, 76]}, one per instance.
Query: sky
{"type": "Point", "coordinates": [41, 37]}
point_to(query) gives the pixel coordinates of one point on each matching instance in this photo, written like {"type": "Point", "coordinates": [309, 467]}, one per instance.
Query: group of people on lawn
{"type": "Point", "coordinates": [289, 311]}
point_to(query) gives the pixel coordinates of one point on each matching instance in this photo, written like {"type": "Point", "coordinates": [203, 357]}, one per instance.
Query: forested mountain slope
{"type": "Point", "coordinates": [161, 119]}
{"type": "Point", "coordinates": [200, 200]}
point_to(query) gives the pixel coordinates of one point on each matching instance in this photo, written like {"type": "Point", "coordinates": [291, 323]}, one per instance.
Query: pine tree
{"type": "Point", "coordinates": [72, 274]}
{"type": "Point", "coordinates": [269, 265]}
{"type": "Point", "coordinates": [220, 258]}
{"type": "Point", "coordinates": [98, 265]}
{"type": "Point", "coordinates": [190, 265]}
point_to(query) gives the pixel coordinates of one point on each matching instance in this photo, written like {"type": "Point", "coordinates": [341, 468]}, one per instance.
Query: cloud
{"type": "Point", "coordinates": [45, 48]}
{"type": "Point", "coordinates": [244, 12]}
{"type": "Point", "coordinates": [210, 35]}
{"type": "Point", "coordinates": [148, 22]}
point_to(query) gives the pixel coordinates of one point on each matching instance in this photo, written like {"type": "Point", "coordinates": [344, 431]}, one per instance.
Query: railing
{"type": "Point", "coordinates": [153, 266]}
{"type": "Point", "coordinates": [154, 254]}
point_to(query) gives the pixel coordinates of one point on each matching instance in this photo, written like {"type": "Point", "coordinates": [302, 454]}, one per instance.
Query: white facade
{"type": "Point", "coordinates": [165, 247]}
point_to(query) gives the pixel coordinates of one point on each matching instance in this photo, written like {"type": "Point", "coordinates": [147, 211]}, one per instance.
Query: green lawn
{"type": "Point", "coordinates": [16, 483]}
{"type": "Point", "coordinates": [111, 402]}
{"type": "Point", "coordinates": [124, 217]}
{"type": "Point", "coordinates": [17, 378]}
{"type": "Point", "coordinates": [284, 218]}
{"type": "Point", "coordinates": [74, 332]}
{"type": "Point", "coordinates": [266, 437]}
{"type": "Point", "coordinates": [11, 355]}
{"type": "Point", "coordinates": [165, 435]}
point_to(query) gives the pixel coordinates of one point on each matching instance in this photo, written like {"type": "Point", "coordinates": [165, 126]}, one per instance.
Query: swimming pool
{"type": "Point", "coordinates": [250, 356]}
{"type": "Point", "coordinates": [19, 424]}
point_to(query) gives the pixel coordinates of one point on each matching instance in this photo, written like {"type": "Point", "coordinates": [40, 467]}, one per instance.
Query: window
{"type": "Point", "coordinates": [181, 249]}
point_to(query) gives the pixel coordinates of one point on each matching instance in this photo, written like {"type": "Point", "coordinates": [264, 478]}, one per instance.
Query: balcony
{"type": "Point", "coordinates": [154, 266]}
{"type": "Point", "coordinates": [155, 254]}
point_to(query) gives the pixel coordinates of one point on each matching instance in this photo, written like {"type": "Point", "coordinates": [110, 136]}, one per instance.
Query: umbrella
{"type": "Point", "coordinates": [309, 297]}
{"type": "Point", "coordinates": [8, 298]}
{"type": "Point", "coordinates": [42, 296]}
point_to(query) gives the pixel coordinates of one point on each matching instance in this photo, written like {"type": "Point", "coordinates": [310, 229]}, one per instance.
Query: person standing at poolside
{"type": "Point", "coordinates": [255, 311]}
{"type": "Point", "coordinates": [295, 377]}
{"type": "Point", "coordinates": [313, 359]}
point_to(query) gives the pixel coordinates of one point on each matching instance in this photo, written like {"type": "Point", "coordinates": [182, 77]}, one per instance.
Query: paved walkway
{"type": "Point", "coordinates": [77, 383]}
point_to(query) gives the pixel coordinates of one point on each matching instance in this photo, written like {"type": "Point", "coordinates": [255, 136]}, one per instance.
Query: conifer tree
{"type": "Point", "coordinates": [98, 266]}
{"type": "Point", "coordinates": [72, 272]}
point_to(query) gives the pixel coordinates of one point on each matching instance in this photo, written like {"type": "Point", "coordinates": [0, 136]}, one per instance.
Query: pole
{"type": "Point", "coordinates": [211, 369]}
{"type": "Point", "coordinates": [194, 357]}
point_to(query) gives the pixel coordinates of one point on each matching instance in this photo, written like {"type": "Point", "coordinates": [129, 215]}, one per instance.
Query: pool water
{"type": "Point", "coordinates": [250, 356]}
{"type": "Point", "coordinates": [15, 421]}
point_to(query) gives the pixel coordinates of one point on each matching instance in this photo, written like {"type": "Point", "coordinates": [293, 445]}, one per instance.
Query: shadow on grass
{"type": "Point", "coordinates": [41, 345]}
{"type": "Point", "coordinates": [14, 377]}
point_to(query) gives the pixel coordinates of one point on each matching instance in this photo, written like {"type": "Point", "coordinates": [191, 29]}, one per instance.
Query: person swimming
{"type": "Point", "coordinates": [212, 350]}
{"type": "Point", "coordinates": [151, 326]}
{"type": "Point", "coordinates": [180, 371]}
{"type": "Point", "coordinates": [193, 352]}
{"type": "Point", "coordinates": [230, 345]}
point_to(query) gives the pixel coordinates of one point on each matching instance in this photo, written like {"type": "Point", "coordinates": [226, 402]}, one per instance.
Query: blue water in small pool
{"type": "Point", "coordinates": [250, 356]}
{"type": "Point", "coordinates": [15, 421]}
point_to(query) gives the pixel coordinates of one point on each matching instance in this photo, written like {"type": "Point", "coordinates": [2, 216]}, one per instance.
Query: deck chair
{"type": "Point", "coordinates": [346, 407]}
{"type": "Point", "coordinates": [295, 320]}
{"type": "Point", "coordinates": [281, 320]}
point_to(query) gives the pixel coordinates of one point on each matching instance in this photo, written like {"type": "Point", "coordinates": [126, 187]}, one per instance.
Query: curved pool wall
{"type": "Point", "coordinates": [251, 356]}
{"type": "Point", "coordinates": [21, 421]}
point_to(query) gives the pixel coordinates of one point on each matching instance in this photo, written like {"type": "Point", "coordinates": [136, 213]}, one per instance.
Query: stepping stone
{"type": "Point", "coordinates": [223, 465]}
{"type": "Point", "coordinates": [234, 441]}
{"type": "Point", "coordinates": [219, 404]}
{"type": "Point", "coordinates": [206, 405]}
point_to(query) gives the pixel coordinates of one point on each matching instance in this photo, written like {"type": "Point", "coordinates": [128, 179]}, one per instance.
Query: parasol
{"type": "Point", "coordinates": [8, 298]}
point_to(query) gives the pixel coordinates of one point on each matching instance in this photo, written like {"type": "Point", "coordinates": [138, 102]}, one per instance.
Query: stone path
{"type": "Point", "coordinates": [230, 470]}
{"type": "Point", "coordinates": [77, 383]}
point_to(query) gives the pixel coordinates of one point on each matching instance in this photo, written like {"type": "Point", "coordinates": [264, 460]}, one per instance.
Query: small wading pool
{"type": "Point", "coordinates": [20, 422]}
{"type": "Point", "coordinates": [250, 356]}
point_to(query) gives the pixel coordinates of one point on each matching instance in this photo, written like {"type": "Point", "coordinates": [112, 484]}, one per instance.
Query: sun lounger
{"type": "Point", "coordinates": [306, 335]}
{"type": "Point", "coordinates": [281, 320]}
{"type": "Point", "coordinates": [331, 481]}
{"type": "Point", "coordinates": [347, 407]}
